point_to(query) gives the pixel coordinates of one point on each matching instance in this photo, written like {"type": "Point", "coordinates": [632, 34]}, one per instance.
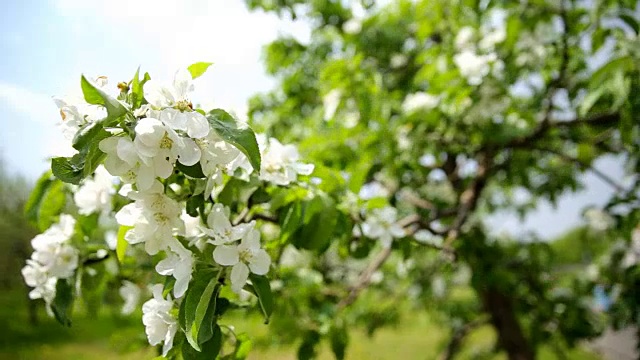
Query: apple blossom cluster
{"type": "Point", "coordinates": [475, 59]}
{"type": "Point", "coordinates": [381, 224]}
{"type": "Point", "coordinates": [53, 258]}
{"type": "Point", "coordinates": [145, 136]}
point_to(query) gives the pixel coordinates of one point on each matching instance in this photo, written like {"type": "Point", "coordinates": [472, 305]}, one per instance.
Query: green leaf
{"type": "Point", "coordinates": [262, 289]}
{"type": "Point", "coordinates": [292, 220]}
{"type": "Point", "coordinates": [339, 338]}
{"type": "Point", "coordinates": [32, 206]}
{"type": "Point", "coordinates": [65, 170]}
{"type": "Point", "coordinates": [89, 134]}
{"type": "Point", "coordinates": [631, 21]}
{"type": "Point", "coordinates": [605, 72]}
{"type": "Point", "coordinates": [137, 89]}
{"type": "Point", "coordinates": [193, 204]}
{"type": "Point", "coordinates": [198, 69]}
{"type": "Point", "coordinates": [320, 217]}
{"type": "Point", "coordinates": [206, 305]}
{"type": "Point", "coordinates": [210, 349]}
{"type": "Point", "coordinates": [122, 244]}
{"type": "Point", "coordinates": [243, 347]}
{"type": "Point", "coordinates": [195, 171]}
{"type": "Point", "coordinates": [197, 300]}
{"type": "Point", "coordinates": [52, 206]}
{"type": "Point", "coordinates": [242, 138]}
{"type": "Point", "coordinates": [96, 96]}
{"type": "Point", "coordinates": [590, 100]}
{"type": "Point", "coordinates": [307, 349]}
{"type": "Point", "coordinates": [93, 158]}
{"type": "Point", "coordinates": [63, 302]}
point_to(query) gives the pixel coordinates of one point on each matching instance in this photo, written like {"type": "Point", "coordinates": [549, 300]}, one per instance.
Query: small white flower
{"type": "Point", "coordinates": [179, 264]}
{"type": "Point", "coordinates": [123, 161]}
{"type": "Point", "coordinates": [398, 61]}
{"type": "Point", "coordinates": [280, 163]}
{"type": "Point", "coordinates": [177, 110]}
{"type": "Point", "coordinates": [598, 220]}
{"type": "Point", "coordinates": [244, 258]}
{"type": "Point", "coordinates": [381, 224]}
{"type": "Point", "coordinates": [36, 276]}
{"type": "Point", "coordinates": [372, 190]}
{"type": "Point", "coordinates": [472, 66]}
{"type": "Point", "coordinates": [330, 102]}
{"type": "Point", "coordinates": [220, 228]}
{"type": "Point", "coordinates": [464, 37]}
{"type": "Point", "coordinates": [130, 293]}
{"type": "Point", "coordinates": [156, 141]}
{"type": "Point", "coordinates": [492, 38]}
{"type": "Point", "coordinates": [419, 101]}
{"type": "Point", "coordinates": [95, 194]}
{"type": "Point", "coordinates": [352, 26]}
{"type": "Point", "coordinates": [160, 325]}
{"type": "Point", "coordinates": [154, 217]}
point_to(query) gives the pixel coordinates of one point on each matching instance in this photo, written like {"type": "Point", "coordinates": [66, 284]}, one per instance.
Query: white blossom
{"type": "Point", "coordinates": [381, 224]}
{"type": "Point", "coordinates": [53, 258]}
{"type": "Point", "coordinates": [123, 161]}
{"type": "Point", "coordinates": [130, 293]}
{"type": "Point", "coordinates": [154, 217]}
{"type": "Point", "coordinates": [419, 101]}
{"type": "Point", "coordinates": [220, 228]}
{"type": "Point", "coordinates": [176, 108]}
{"type": "Point", "coordinates": [280, 163]}
{"type": "Point", "coordinates": [178, 263]}
{"type": "Point", "coordinates": [244, 258]}
{"type": "Point", "coordinates": [330, 102]}
{"type": "Point", "coordinates": [472, 66]}
{"type": "Point", "coordinates": [163, 146]}
{"type": "Point", "coordinates": [398, 61]}
{"type": "Point", "coordinates": [160, 325]}
{"type": "Point", "coordinates": [464, 38]}
{"type": "Point", "coordinates": [598, 220]}
{"type": "Point", "coordinates": [352, 26]}
{"type": "Point", "coordinates": [95, 194]}
{"type": "Point", "coordinates": [36, 276]}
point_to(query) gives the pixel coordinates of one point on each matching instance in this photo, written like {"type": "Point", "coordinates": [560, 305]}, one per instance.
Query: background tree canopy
{"type": "Point", "coordinates": [423, 120]}
{"type": "Point", "coordinates": [452, 111]}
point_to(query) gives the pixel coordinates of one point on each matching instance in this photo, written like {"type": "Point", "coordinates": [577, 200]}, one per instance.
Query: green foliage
{"type": "Point", "coordinates": [261, 288]}
{"type": "Point", "coordinates": [63, 302]}
{"type": "Point", "coordinates": [540, 115]}
{"type": "Point", "coordinates": [198, 69]}
{"type": "Point", "coordinates": [241, 137]}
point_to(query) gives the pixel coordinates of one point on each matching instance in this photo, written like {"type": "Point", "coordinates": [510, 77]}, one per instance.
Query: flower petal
{"type": "Point", "coordinates": [239, 276]}
{"type": "Point", "coordinates": [197, 125]}
{"type": "Point", "coordinates": [190, 153]}
{"type": "Point", "coordinates": [226, 255]}
{"type": "Point", "coordinates": [260, 262]}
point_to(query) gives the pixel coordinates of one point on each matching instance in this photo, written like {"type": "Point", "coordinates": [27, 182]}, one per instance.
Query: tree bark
{"type": "Point", "coordinates": [510, 336]}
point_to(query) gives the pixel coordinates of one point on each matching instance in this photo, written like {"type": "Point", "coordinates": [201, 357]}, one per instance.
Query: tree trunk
{"type": "Point", "coordinates": [510, 336]}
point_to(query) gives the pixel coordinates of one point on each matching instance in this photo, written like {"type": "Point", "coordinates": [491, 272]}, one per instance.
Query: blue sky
{"type": "Point", "coordinates": [46, 45]}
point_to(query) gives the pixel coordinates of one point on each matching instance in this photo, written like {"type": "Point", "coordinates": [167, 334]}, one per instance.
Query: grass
{"type": "Point", "coordinates": [110, 336]}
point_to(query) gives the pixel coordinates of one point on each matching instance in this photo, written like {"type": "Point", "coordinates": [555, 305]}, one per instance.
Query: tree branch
{"type": "Point", "coordinates": [469, 200]}
{"type": "Point", "coordinates": [458, 335]}
{"type": "Point", "coordinates": [585, 166]}
{"type": "Point", "coordinates": [365, 279]}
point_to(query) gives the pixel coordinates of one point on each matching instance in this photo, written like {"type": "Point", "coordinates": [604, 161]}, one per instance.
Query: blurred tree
{"type": "Point", "coordinates": [15, 231]}
{"type": "Point", "coordinates": [451, 111]}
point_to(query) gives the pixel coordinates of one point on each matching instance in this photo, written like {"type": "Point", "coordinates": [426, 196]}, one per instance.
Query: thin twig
{"type": "Point", "coordinates": [585, 166]}
{"type": "Point", "coordinates": [365, 279]}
